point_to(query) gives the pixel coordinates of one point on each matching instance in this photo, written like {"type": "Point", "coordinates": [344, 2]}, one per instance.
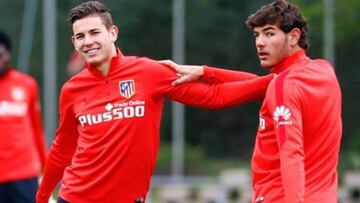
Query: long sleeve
{"type": "Point", "coordinates": [36, 121]}
{"type": "Point", "coordinates": [62, 149]}
{"type": "Point", "coordinates": [289, 132]}
{"type": "Point", "coordinates": [209, 95]}
{"type": "Point", "coordinates": [220, 75]}
{"type": "Point", "coordinates": [214, 75]}
{"type": "Point", "coordinates": [223, 95]}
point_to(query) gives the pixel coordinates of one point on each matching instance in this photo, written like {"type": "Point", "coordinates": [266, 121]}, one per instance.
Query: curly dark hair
{"type": "Point", "coordinates": [283, 13]}
{"type": "Point", "coordinates": [90, 8]}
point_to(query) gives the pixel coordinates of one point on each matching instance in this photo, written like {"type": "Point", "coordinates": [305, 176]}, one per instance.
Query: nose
{"type": "Point", "coordinates": [88, 40]}
{"type": "Point", "coordinates": [260, 41]}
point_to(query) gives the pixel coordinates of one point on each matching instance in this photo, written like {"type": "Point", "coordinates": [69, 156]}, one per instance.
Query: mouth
{"type": "Point", "coordinates": [263, 55]}
{"type": "Point", "coordinates": [92, 51]}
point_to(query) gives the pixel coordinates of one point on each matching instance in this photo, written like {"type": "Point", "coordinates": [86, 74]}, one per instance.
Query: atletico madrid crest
{"type": "Point", "coordinates": [127, 88]}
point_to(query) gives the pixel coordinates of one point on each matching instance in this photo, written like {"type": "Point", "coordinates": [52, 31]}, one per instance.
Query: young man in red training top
{"type": "Point", "coordinates": [298, 140]}
{"type": "Point", "coordinates": [107, 141]}
{"type": "Point", "coordinates": [22, 141]}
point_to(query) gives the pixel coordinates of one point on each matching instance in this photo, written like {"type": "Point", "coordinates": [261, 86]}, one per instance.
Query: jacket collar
{"type": "Point", "coordinates": [115, 61]}
{"type": "Point", "coordinates": [288, 61]}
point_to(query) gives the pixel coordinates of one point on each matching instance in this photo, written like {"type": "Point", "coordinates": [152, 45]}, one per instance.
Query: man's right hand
{"type": "Point", "coordinates": [185, 73]}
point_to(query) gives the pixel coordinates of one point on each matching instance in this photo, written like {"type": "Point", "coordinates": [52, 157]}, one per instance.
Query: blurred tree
{"type": "Point", "coordinates": [215, 35]}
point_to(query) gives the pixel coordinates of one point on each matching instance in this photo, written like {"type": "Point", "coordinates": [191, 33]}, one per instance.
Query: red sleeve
{"type": "Point", "coordinates": [220, 75]}
{"type": "Point", "coordinates": [289, 131]}
{"type": "Point", "coordinates": [219, 95]}
{"type": "Point", "coordinates": [36, 122]}
{"type": "Point", "coordinates": [208, 95]}
{"type": "Point", "coordinates": [62, 149]}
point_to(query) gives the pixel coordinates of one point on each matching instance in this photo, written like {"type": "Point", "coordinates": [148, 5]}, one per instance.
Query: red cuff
{"type": "Point", "coordinates": [208, 76]}
{"type": "Point", "coordinates": [42, 198]}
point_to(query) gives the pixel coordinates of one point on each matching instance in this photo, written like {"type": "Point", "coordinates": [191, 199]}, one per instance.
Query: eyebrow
{"type": "Point", "coordinates": [268, 28]}
{"type": "Point", "coordinates": [78, 34]}
{"type": "Point", "coordinates": [92, 30]}
{"type": "Point", "coordinates": [95, 29]}
{"type": "Point", "coordinates": [264, 29]}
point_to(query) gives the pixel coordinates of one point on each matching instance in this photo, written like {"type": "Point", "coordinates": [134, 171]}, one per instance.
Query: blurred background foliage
{"type": "Point", "coordinates": [216, 35]}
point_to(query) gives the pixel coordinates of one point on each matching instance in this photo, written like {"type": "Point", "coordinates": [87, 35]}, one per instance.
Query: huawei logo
{"type": "Point", "coordinates": [282, 115]}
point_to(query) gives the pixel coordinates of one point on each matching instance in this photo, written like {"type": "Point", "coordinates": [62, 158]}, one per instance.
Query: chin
{"type": "Point", "coordinates": [93, 60]}
{"type": "Point", "coordinates": [266, 65]}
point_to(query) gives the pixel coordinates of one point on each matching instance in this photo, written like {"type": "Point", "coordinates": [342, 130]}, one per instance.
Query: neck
{"type": "Point", "coordinates": [104, 67]}
{"type": "Point", "coordinates": [294, 49]}
{"type": "Point", "coordinates": [288, 61]}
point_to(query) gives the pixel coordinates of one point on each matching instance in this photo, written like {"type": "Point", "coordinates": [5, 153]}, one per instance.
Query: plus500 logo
{"type": "Point", "coordinates": [112, 114]}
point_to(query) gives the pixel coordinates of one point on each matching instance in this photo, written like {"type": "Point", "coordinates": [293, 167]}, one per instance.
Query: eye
{"type": "Point", "coordinates": [78, 37]}
{"type": "Point", "coordinates": [269, 34]}
{"type": "Point", "coordinates": [256, 34]}
{"type": "Point", "coordinates": [95, 32]}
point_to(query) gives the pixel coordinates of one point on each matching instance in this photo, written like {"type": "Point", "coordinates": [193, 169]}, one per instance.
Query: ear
{"type": "Point", "coordinates": [73, 42]}
{"type": "Point", "coordinates": [294, 36]}
{"type": "Point", "coordinates": [114, 31]}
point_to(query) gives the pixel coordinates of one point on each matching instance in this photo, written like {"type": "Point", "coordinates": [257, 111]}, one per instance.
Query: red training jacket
{"type": "Point", "coordinates": [298, 140]}
{"type": "Point", "coordinates": [22, 142]}
{"type": "Point", "coordinates": [297, 145]}
{"type": "Point", "coordinates": [107, 141]}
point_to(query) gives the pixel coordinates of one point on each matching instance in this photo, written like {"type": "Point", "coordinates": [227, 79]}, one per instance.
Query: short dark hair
{"type": "Point", "coordinates": [90, 8]}
{"type": "Point", "coordinates": [283, 13]}
{"type": "Point", "coordinates": [5, 40]}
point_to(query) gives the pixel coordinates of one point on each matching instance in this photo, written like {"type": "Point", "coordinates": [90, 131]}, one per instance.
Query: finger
{"type": "Point", "coordinates": [166, 61]}
{"type": "Point", "coordinates": [171, 64]}
{"type": "Point", "coordinates": [177, 82]}
{"type": "Point", "coordinates": [181, 80]}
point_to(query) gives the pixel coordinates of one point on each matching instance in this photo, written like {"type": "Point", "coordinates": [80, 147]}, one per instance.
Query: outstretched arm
{"type": "Point", "coordinates": [222, 95]}
{"type": "Point", "coordinates": [205, 95]}
{"type": "Point", "coordinates": [187, 73]}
